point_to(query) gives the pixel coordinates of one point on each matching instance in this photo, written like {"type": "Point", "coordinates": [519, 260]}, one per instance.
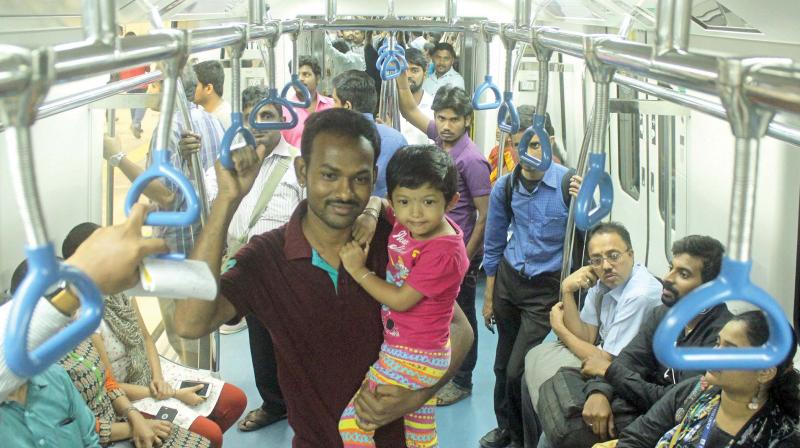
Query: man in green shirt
{"type": "Point", "coordinates": [47, 411]}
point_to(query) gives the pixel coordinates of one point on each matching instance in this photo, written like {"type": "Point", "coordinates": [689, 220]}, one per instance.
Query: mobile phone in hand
{"type": "Point", "coordinates": [204, 392]}
{"type": "Point", "coordinates": [166, 414]}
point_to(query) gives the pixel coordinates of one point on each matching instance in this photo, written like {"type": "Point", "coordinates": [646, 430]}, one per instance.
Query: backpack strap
{"type": "Point", "coordinates": [565, 186]}
{"type": "Point", "coordinates": [511, 183]}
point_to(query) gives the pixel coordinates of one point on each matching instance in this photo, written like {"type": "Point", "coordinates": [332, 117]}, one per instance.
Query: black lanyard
{"type": "Point", "coordinates": [712, 417]}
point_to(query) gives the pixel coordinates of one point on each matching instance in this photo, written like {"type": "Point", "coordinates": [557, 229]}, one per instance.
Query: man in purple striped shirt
{"type": "Point", "coordinates": [452, 109]}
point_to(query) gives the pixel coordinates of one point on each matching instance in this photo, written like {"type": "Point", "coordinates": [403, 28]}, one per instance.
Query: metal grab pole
{"type": "Point", "coordinates": [111, 130]}
{"type": "Point", "coordinates": [672, 26]}
{"type": "Point", "coordinates": [508, 84]}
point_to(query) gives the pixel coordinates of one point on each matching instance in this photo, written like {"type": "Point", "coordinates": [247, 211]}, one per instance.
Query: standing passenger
{"type": "Point", "coordinates": [269, 205]}
{"type": "Point", "coordinates": [355, 90]}
{"type": "Point", "coordinates": [310, 74]}
{"type": "Point", "coordinates": [522, 275]}
{"type": "Point", "coordinates": [453, 111]}
{"type": "Point", "coordinates": [326, 329]}
{"type": "Point", "coordinates": [208, 94]}
{"type": "Point", "coordinates": [416, 77]}
{"type": "Point", "coordinates": [443, 56]}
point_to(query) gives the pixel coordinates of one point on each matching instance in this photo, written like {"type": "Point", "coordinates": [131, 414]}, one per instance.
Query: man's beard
{"type": "Point", "coordinates": [414, 87]}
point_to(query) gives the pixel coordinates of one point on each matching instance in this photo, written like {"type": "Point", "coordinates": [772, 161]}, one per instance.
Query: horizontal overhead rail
{"type": "Point", "coordinates": [777, 130]}
{"type": "Point", "coordinates": [462, 26]}
{"type": "Point", "coordinates": [775, 87]}
{"type": "Point", "coordinates": [66, 103]}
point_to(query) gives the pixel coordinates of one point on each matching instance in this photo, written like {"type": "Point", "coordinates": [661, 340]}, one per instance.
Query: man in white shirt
{"type": "Point", "coordinates": [244, 225]}
{"type": "Point", "coordinates": [208, 94]}
{"type": "Point", "coordinates": [416, 77]}
{"type": "Point", "coordinates": [620, 295]}
{"type": "Point", "coordinates": [443, 56]}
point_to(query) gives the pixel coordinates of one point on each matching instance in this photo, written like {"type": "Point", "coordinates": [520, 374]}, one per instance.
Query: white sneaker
{"type": "Point", "coordinates": [230, 329]}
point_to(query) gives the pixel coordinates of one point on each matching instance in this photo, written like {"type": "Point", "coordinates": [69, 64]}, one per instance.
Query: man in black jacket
{"type": "Point", "coordinates": [636, 375]}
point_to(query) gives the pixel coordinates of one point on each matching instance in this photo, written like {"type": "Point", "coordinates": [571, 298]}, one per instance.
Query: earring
{"type": "Point", "coordinates": [754, 402]}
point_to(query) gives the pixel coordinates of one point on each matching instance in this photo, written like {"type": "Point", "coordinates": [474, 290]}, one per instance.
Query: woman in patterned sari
{"type": "Point", "coordinates": [729, 408]}
{"type": "Point", "coordinates": [116, 419]}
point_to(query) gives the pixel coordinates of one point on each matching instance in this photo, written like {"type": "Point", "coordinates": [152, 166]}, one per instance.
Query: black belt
{"type": "Point", "coordinates": [529, 278]}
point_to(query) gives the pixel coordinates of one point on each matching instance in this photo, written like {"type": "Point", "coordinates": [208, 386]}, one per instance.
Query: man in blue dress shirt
{"type": "Point", "coordinates": [355, 90]}
{"type": "Point", "coordinates": [522, 275]}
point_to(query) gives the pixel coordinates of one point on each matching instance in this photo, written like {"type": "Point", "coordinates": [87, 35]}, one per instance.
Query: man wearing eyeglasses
{"type": "Point", "coordinates": [522, 275]}
{"type": "Point", "coordinates": [620, 295]}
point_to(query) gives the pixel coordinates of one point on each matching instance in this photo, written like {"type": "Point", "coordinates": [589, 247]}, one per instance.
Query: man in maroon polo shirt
{"type": "Point", "coordinates": [326, 329]}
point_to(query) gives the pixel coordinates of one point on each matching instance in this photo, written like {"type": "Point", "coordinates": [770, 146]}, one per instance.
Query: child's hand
{"type": "Point", "coordinates": [364, 228]}
{"type": "Point", "coordinates": [353, 256]}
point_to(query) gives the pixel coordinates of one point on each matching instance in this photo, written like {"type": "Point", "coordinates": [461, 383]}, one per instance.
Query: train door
{"type": "Point", "coordinates": [666, 178]}
{"type": "Point", "coordinates": [628, 166]}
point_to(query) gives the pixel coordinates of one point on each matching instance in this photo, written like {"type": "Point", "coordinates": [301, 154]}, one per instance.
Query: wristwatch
{"type": "Point", "coordinates": [116, 159]}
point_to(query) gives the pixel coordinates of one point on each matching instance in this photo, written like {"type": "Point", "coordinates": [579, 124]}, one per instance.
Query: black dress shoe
{"type": "Point", "coordinates": [496, 438]}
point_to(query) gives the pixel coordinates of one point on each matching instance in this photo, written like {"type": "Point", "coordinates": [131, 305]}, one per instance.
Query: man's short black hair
{"type": "Point", "coordinates": [312, 63]}
{"type": "Point", "coordinates": [415, 57]}
{"type": "Point", "coordinates": [526, 113]}
{"type": "Point", "coordinates": [76, 237]}
{"type": "Point", "coordinates": [443, 46]}
{"type": "Point", "coordinates": [253, 94]}
{"type": "Point", "coordinates": [414, 166]}
{"type": "Point", "coordinates": [705, 248]}
{"type": "Point", "coordinates": [452, 97]}
{"type": "Point", "coordinates": [211, 72]}
{"type": "Point", "coordinates": [340, 122]}
{"type": "Point", "coordinates": [611, 227]}
{"type": "Point", "coordinates": [358, 88]}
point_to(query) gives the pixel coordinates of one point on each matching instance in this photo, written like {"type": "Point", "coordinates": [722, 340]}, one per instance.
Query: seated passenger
{"type": "Point", "coordinates": [47, 410]}
{"type": "Point", "coordinates": [131, 355]}
{"type": "Point", "coordinates": [621, 294]}
{"type": "Point", "coordinates": [727, 408]}
{"type": "Point", "coordinates": [355, 90]}
{"type": "Point", "coordinates": [443, 56]}
{"type": "Point", "coordinates": [427, 261]}
{"type": "Point", "coordinates": [115, 417]}
{"type": "Point", "coordinates": [522, 276]}
{"type": "Point", "coordinates": [636, 376]}
{"type": "Point", "coordinates": [110, 258]}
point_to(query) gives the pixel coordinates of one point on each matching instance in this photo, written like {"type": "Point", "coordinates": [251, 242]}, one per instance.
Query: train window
{"type": "Point", "coordinates": [666, 165]}
{"type": "Point", "coordinates": [628, 144]}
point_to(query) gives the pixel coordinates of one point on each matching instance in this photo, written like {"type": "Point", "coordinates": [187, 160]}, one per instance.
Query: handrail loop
{"type": "Point", "coordinates": [295, 78]}
{"type": "Point", "coordinates": [488, 83]}
{"type": "Point", "coordinates": [749, 124]}
{"type": "Point", "coordinates": [237, 121]}
{"type": "Point", "coordinates": [272, 93]}
{"type": "Point", "coordinates": [391, 61]}
{"type": "Point", "coordinates": [537, 128]}
{"type": "Point", "coordinates": [507, 108]}
{"type": "Point", "coordinates": [160, 166]}
{"type": "Point", "coordinates": [596, 175]}
{"type": "Point", "coordinates": [44, 270]}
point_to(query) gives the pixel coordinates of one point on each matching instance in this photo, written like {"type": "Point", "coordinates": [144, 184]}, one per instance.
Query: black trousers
{"type": "Point", "coordinates": [522, 311]}
{"type": "Point", "coordinates": [265, 368]}
{"type": "Point", "coordinates": [466, 300]}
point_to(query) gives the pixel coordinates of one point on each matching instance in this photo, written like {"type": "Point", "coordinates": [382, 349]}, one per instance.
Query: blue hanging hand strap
{"type": "Point", "coordinates": [587, 217]}
{"type": "Point", "coordinates": [161, 168]}
{"type": "Point", "coordinates": [487, 85]}
{"type": "Point", "coordinates": [237, 127]}
{"type": "Point", "coordinates": [44, 272]}
{"type": "Point", "coordinates": [508, 109]}
{"type": "Point", "coordinates": [393, 65]}
{"type": "Point", "coordinates": [544, 141]}
{"type": "Point", "coordinates": [733, 283]}
{"type": "Point", "coordinates": [295, 82]}
{"type": "Point", "coordinates": [273, 98]}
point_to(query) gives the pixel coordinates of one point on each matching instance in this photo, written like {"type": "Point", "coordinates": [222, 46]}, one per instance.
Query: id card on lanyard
{"type": "Point", "coordinates": [712, 418]}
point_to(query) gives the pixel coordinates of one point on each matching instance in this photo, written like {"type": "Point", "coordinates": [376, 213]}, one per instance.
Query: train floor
{"type": "Point", "coordinates": [460, 425]}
